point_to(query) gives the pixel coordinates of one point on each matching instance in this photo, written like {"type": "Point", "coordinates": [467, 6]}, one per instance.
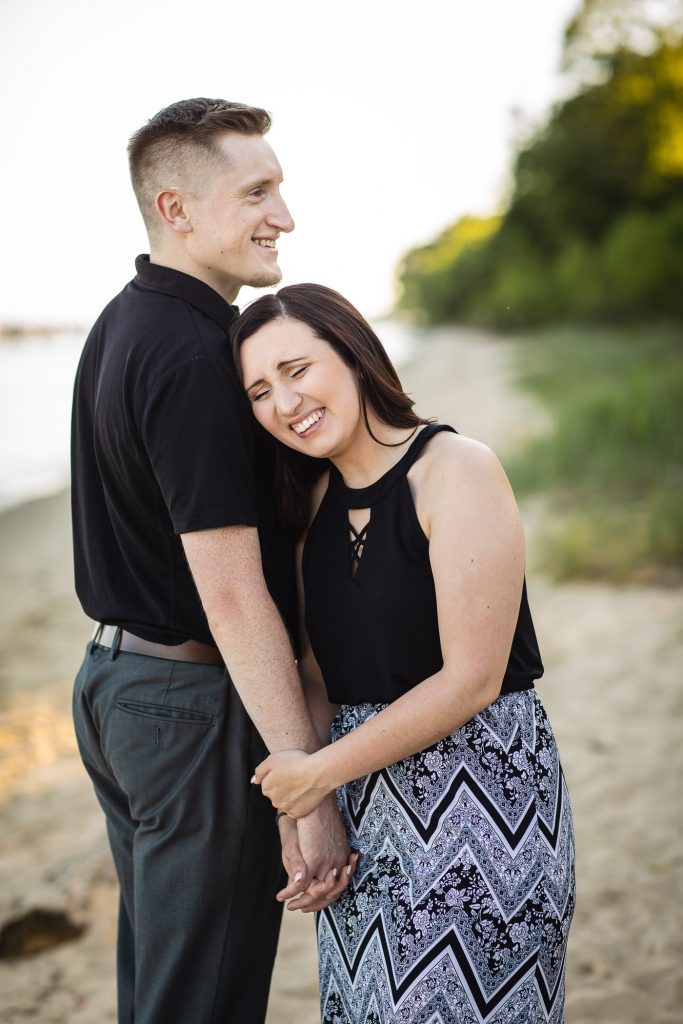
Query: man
{"type": "Point", "coordinates": [179, 560]}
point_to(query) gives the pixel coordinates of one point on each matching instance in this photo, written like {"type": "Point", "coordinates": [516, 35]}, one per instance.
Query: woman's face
{"type": "Point", "coordinates": [300, 390]}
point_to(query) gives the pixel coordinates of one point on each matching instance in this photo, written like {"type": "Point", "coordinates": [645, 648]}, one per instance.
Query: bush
{"type": "Point", "coordinates": [643, 262]}
{"type": "Point", "coordinates": [614, 460]}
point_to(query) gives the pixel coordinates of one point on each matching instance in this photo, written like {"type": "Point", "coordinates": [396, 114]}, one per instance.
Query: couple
{"type": "Point", "coordinates": [434, 834]}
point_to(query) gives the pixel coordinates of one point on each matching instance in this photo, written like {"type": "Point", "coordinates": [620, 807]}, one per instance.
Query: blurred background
{"type": "Point", "coordinates": [499, 188]}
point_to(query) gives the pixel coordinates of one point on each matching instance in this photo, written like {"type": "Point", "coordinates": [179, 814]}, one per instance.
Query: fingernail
{"type": "Point", "coordinates": [349, 869]}
{"type": "Point", "coordinates": [253, 778]}
{"type": "Point", "coordinates": [334, 872]}
{"type": "Point", "coordinates": [298, 876]}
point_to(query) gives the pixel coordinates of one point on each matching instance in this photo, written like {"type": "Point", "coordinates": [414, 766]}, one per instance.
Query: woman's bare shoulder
{"type": "Point", "coordinates": [458, 476]}
{"type": "Point", "coordinates": [450, 456]}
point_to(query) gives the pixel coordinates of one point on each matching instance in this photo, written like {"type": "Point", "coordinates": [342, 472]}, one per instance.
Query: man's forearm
{"type": "Point", "coordinates": [258, 655]}
{"type": "Point", "coordinates": [246, 625]}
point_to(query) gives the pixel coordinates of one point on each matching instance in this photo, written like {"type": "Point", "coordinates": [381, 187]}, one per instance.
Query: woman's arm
{"type": "Point", "coordinates": [476, 551]}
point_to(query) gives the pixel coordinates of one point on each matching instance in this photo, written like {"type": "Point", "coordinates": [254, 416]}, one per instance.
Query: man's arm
{"type": "Point", "coordinates": [226, 566]}
{"type": "Point", "coordinates": [244, 622]}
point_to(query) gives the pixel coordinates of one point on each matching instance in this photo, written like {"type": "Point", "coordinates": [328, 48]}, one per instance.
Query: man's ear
{"type": "Point", "coordinates": [172, 208]}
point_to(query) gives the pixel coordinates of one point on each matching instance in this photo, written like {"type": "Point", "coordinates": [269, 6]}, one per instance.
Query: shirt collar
{"type": "Point", "coordinates": [158, 278]}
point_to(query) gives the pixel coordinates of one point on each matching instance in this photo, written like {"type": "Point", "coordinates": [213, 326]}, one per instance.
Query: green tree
{"type": "Point", "coordinates": [603, 176]}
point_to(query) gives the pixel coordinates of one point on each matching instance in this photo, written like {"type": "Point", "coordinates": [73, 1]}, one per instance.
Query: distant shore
{"type": "Point", "coordinates": [11, 331]}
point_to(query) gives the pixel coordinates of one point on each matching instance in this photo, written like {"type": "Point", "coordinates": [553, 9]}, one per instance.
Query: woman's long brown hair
{"type": "Point", "coordinates": [333, 319]}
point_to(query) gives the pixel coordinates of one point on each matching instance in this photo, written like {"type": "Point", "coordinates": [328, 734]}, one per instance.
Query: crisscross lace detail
{"type": "Point", "coordinates": [357, 543]}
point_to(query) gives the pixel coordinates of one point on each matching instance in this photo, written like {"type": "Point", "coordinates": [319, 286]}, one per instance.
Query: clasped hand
{"type": "Point", "coordinates": [317, 858]}
{"type": "Point", "coordinates": [315, 849]}
{"type": "Point", "coordinates": [287, 778]}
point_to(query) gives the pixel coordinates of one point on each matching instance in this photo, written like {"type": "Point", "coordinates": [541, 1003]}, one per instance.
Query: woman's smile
{"type": "Point", "coordinates": [308, 424]}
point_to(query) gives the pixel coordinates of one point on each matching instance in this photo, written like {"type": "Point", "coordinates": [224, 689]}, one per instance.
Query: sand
{"type": "Point", "coordinates": [614, 659]}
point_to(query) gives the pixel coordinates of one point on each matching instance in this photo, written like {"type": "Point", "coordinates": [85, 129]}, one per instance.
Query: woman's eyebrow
{"type": "Point", "coordinates": [286, 362]}
{"type": "Point", "coordinates": [280, 365]}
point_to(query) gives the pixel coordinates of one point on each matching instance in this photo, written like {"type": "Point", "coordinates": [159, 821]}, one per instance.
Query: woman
{"type": "Point", "coordinates": [421, 663]}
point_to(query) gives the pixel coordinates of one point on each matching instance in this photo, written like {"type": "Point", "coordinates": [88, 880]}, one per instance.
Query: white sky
{"type": "Point", "coordinates": [390, 120]}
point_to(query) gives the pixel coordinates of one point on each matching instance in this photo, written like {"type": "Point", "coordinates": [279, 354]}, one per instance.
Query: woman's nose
{"type": "Point", "coordinates": [287, 401]}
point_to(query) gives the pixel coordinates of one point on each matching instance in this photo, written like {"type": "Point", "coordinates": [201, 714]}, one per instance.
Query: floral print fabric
{"type": "Point", "coordinates": [460, 908]}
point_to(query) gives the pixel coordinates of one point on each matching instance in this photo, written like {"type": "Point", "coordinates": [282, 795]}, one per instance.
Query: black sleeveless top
{"type": "Point", "coordinates": [371, 605]}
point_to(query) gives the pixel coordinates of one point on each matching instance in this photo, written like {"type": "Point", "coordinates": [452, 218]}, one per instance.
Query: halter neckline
{"type": "Point", "coordinates": [366, 497]}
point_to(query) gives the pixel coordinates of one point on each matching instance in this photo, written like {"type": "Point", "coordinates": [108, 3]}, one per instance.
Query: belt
{"type": "Point", "coordinates": [121, 640]}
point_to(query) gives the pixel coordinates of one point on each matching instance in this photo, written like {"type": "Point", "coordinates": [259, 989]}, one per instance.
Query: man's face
{"type": "Point", "coordinates": [235, 223]}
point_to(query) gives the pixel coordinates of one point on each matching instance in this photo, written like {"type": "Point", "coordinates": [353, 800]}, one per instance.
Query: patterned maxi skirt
{"type": "Point", "coordinates": [460, 908]}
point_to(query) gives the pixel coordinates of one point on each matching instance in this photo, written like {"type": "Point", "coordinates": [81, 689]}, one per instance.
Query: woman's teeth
{"type": "Point", "coordinates": [303, 425]}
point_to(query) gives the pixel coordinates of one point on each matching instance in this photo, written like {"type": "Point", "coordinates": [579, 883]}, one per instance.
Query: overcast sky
{"type": "Point", "coordinates": [390, 120]}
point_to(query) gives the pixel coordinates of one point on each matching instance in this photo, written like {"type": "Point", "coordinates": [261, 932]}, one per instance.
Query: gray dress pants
{"type": "Point", "coordinates": [170, 750]}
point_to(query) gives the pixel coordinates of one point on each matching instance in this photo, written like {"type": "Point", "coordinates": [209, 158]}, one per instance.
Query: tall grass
{"type": "Point", "coordinates": [614, 459]}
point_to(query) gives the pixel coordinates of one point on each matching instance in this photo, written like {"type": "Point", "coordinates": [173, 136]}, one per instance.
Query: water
{"type": "Point", "coordinates": [400, 340]}
{"type": "Point", "coordinates": [36, 382]}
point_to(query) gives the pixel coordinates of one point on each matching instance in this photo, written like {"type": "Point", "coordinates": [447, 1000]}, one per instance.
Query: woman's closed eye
{"type": "Point", "coordinates": [259, 393]}
{"type": "Point", "coordinates": [263, 391]}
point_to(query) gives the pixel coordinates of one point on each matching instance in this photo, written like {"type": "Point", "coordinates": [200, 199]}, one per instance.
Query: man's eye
{"type": "Point", "coordinates": [257, 193]}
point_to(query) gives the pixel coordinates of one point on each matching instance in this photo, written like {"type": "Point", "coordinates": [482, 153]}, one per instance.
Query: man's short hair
{"type": "Point", "coordinates": [177, 147]}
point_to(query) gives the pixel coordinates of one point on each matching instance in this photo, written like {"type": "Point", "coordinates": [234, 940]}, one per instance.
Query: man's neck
{"type": "Point", "coordinates": [175, 261]}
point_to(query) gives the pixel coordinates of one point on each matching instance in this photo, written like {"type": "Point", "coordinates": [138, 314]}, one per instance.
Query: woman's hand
{"type": "Point", "coordinates": [288, 779]}
{"type": "Point", "coordinates": [304, 890]}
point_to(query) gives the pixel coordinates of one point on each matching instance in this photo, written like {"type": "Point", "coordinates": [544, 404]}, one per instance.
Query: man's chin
{"type": "Point", "coordinates": [265, 278]}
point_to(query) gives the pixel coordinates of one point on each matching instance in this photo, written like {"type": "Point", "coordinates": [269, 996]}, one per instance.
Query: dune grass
{"type": "Point", "coordinates": [613, 462]}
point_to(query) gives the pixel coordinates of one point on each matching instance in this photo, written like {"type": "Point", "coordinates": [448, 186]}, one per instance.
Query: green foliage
{"type": "Point", "coordinates": [593, 232]}
{"type": "Point", "coordinates": [614, 460]}
{"type": "Point", "coordinates": [642, 260]}
{"type": "Point", "coordinates": [595, 221]}
{"type": "Point", "coordinates": [429, 285]}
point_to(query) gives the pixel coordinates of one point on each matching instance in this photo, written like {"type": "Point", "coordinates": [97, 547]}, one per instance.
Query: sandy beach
{"type": "Point", "coordinates": [614, 663]}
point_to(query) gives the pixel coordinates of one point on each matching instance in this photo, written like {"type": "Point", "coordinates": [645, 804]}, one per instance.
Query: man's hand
{"type": "Point", "coordinates": [317, 858]}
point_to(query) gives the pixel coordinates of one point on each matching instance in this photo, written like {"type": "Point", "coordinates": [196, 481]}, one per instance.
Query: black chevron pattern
{"type": "Point", "coordinates": [460, 909]}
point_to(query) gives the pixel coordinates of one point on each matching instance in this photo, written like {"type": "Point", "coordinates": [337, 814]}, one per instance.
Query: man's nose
{"type": "Point", "coordinates": [280, 217]}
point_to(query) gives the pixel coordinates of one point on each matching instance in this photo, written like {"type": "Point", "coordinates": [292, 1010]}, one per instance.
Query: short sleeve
{"type": "Point", "coordinates": [198, 434]}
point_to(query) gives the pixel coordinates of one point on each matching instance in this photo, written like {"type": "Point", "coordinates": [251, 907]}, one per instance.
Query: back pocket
{"type": "Point", "coordinates": [164, 712]}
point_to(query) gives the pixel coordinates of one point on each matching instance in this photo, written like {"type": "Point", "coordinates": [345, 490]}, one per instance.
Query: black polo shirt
{"type": "Point", "coordinates": [164, 443]}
